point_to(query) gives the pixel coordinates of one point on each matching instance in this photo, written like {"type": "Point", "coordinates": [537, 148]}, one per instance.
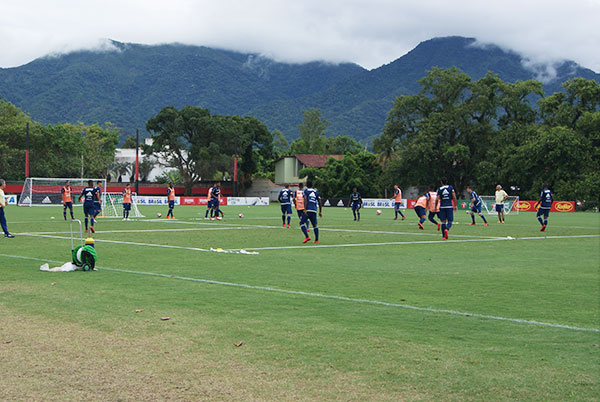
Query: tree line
{"type": "Point", "coordinates": [479, 133]}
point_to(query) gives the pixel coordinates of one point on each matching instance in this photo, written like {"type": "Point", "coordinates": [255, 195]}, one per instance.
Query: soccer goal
{"type": "Point", "coordinates": [47, 191]}
{"type": "Point", "coordinates": [113, 208]}
{"type": "Point", "coordinates": [510, 204]}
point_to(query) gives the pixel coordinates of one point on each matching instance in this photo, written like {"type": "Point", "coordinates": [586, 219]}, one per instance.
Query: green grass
{"type": "Point", "coordinates": [80, 338]}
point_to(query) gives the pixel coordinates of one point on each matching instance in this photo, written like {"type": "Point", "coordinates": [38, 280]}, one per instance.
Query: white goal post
{"type": "Point", "coordinates": [113, 207]}
{"type": "Point", "coordinates": [488, 203]}
{"type": "Point", "coordinates": [47, 190]}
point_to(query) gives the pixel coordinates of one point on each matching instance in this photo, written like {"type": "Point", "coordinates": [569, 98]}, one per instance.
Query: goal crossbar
{"type": "Point", "coordinates": [488, 203]}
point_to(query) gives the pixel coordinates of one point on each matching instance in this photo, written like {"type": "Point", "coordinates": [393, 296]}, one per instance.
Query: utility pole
{"type": "Point", "coordinates": [27, 150]}
{"type": "Point", "coordinates": [235, 160]}
{"type": "Point", "coordinates": [137, 161]}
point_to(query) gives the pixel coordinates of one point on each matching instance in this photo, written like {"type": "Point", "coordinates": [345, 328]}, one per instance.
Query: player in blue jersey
{"type": "Point", "coordinates": [312, 202]}
{"type": "Point", "coordinates": [355, 201]}
{"type": "Point", "coordinates": [475, 206]}
{"type": "Point", "coordinates": [446, 201]}
{"type": "Point", "coordinates": [89, 195]}
{"type": "Point", "coordinates": [285, 199]}
{"type": "Point", "coordinates": [97, 203]}
{"type": "Point", "coordinates": [215, 197]}
{"type": "Point", "coordinates": [545, 203]}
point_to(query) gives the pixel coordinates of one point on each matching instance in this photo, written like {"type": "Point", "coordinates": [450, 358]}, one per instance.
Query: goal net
{"type": "Point", "coordinates": [113, 208]}
{"type": "Point", "coordinates": [489, 204]}
{"type": "Point", "coordinates": [47, 191]}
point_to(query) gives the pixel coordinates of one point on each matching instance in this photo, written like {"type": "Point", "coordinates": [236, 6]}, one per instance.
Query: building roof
{"type": "Point", "coordinates": [311, 160]}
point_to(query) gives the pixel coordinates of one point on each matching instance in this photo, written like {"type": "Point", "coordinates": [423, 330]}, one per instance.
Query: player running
{"type": "Point", "coordinates": [312, 200]}
{"type": "Point", "coordinates": [67, 201]}
{"type": "Point", "coordinates": [433, 209]}
{"type": "Point", "coordinates": [98, 202]}
{"type": "Point", "coordinates": [501, 196]}
{"type": "Point", "coordinates": [299, 203]}
{"type": "Point", "coordinates": [397, 198]}
{"type": "Point", "coordinates": [355, 201]}
{"type": "Point", "coordinates": [545, 203]}
{"type": "Point", "coordinates": [89, 195]}
{"type": "Point", "coordinates": [446, 200]}
{"type": "Point", "coordinates": [171, 199]}
{"type": "Point", "coordinates": [285, 199]}
{"type": "Point", "coordinates": [421, 208]}
{"type": "Point", "coordinates": [475, 206]}
{"type": "Point", "coordinates": [126, 201]}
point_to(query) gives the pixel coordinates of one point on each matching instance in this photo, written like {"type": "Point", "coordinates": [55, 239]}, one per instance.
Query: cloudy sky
{"type": "Point", "coordinates": [367, 32]}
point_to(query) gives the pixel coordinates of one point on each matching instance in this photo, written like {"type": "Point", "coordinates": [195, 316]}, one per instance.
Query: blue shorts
{"type": "Point", "coordinates": [286, 209]}
{"type": "Point", "coordinates": [500, 207]}
{"type": "Point", "coordinates": [172, 204]}
{"type": "Point", "coordinates": [215, 202]}
{"type": "Point", "coordinates": [310, 216]}
{"type": "Point", "coordinates": [476, 208]}
{"type": "Point", "coordinates": [543, 211]}
{"type": "Point", "coordinates": [68, 205]}
{"type": "Point", "coordinates": [420, 211]}
{"type": "Point", "coordinates": [89, 209]}
{"type": "Point", "coordinates": [446, 214]}
{"type": "Point", "coordinates": [127, 206]}
{"type": "Point", "coordinates": [355, 206]}
{"type": "Point", "coordinates": [397, 205]}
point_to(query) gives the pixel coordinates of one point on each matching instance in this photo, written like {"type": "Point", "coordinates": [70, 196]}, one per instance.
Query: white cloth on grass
{"type": "Point", "coordinates": [66, 267]}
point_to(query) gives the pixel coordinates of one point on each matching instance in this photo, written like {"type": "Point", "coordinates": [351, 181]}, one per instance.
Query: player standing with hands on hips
{"type": "Point", "coordinates": [2, 206]}
{"type": "Point", "coordinates": [285, 199]}
{"type": "Point", "coordinates": [355, 202]}
{"type": "Point", "coordinates": [501, 196]}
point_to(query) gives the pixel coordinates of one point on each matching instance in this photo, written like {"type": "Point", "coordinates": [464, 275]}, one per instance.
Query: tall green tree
{"type": "Point", "coordinates": [312, 133]}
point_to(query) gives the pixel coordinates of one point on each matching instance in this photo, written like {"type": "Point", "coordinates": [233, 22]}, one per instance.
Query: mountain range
{"type": "Point", "coordinates": [130, 83]}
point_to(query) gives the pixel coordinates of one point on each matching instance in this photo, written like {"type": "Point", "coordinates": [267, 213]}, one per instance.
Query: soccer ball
{"type": "Point", "coordinates": [241, 215]}
{"type": "Point", "coordinates": [378, 212]}
{"type": "Point", "coordinates": [158, 215]}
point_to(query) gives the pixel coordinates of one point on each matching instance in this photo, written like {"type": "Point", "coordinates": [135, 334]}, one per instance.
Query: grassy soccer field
{"type": "Point", "coordinates": [380, 310]}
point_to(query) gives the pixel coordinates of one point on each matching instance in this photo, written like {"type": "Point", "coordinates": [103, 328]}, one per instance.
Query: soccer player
{"type": "Point", "coordinates": [7, 234]}
{"type": "Point", "coordinates": [446, 200]}
{"type": "Point", "coordinates": [433, 209]}
{"type": "Point", "coordinates": [209, 204]}
{"type": "Point", "coordinates": [356, 202]}
{"type": "Point", "coordinates": [501, 196]}
{"type": "Point", "coordinates": [126, 201]}
{"type": "Point", "coordinates": [421, 208]}
{"type": "Point", "coordinates": [545, 203]}
{"type": "Point", "coordinates": [312, 201]}
{"type": "Point", "coordinates": [89, 195]}
{"type": "Point", "coordinates": [171, 198]}
{"type": "Point", "coordinates": [475, 206]}
{"type": "Point", "coordinates": [215, 195]}
{"type": "Point", "coordinates": [397, 198]}
{"type": "Point", "coordinates": [285, 199]}
{"type": "Point", "coordinates": [97, 202]}
{"type": "Point", "coordinates": [299, 203]}
{"type": "Point", "coordinates": [67, 201]}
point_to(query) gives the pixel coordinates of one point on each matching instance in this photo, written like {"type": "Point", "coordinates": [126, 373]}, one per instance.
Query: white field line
{"type": "Point", "coordinates": [333, 297]}
{"type": "Point", "coordinates": [144, 230]}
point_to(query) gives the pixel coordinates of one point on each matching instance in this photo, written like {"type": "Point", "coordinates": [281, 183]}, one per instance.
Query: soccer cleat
{"type": "Point", "coordinates": [444, 238]}
{"type": "Point", "coordinates": [9, 236]}
{"type": "Point", "coordinates": [499, 222]}
{"type": "Point", "coordinates": [404, 217]}
{"type": "Point", "coordinates": [502, 221]}
{"type": "Point", "coordinates": [421, 226]}
{"type": "Point", "coordinates": [472, 224]}
{"type": "Point", "coordinates": [66, 218]}
{"type": "Point", "coordinates": [439, 227]}
{"type": "Point", "coordinates": [92, 229]}
{"type": "Point", "coordinates": [308, 229]}
{"type": "Point", "coordinates": [354, 218]}
{"type": "Point", "coordinates": [306, 240]}
{"type": "Point", "coordinates": [316, 241]}
{"type": "Point", "coordinates": [358, 219]}
{"type": "Point", "coordinates": [288, 225]}
{"type": "Point", "coordinates": [543, 229]}
{"type": "Point", "coordinates": [486, 224]}
{"type": "Point", "coordinates": [86, 231]}
{"type": "Point", "coordinates": [219, 218]}
{"type": "Point", "coordinates": [446, 234]}
{"type": "Point", "coordinates": [212, 219]}
{"type": "Point", "coordinates": [396, 218]}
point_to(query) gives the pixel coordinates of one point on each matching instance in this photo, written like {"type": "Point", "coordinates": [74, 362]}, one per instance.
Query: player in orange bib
{"type": "Point", "coordinates": [299, 203]}
{"type": "Point", "coordinates": [171, 198]}
{"type": "Point", "coordinates": [421, 208]}
{"type": "Point", "coordinates": [126, 202]}
{"type": "Point", "coordinates": [433, 209]}
{"type": "Point", "coordinates": [67, 201]}
{"type": "Point", "coordinates": [397, 198]}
